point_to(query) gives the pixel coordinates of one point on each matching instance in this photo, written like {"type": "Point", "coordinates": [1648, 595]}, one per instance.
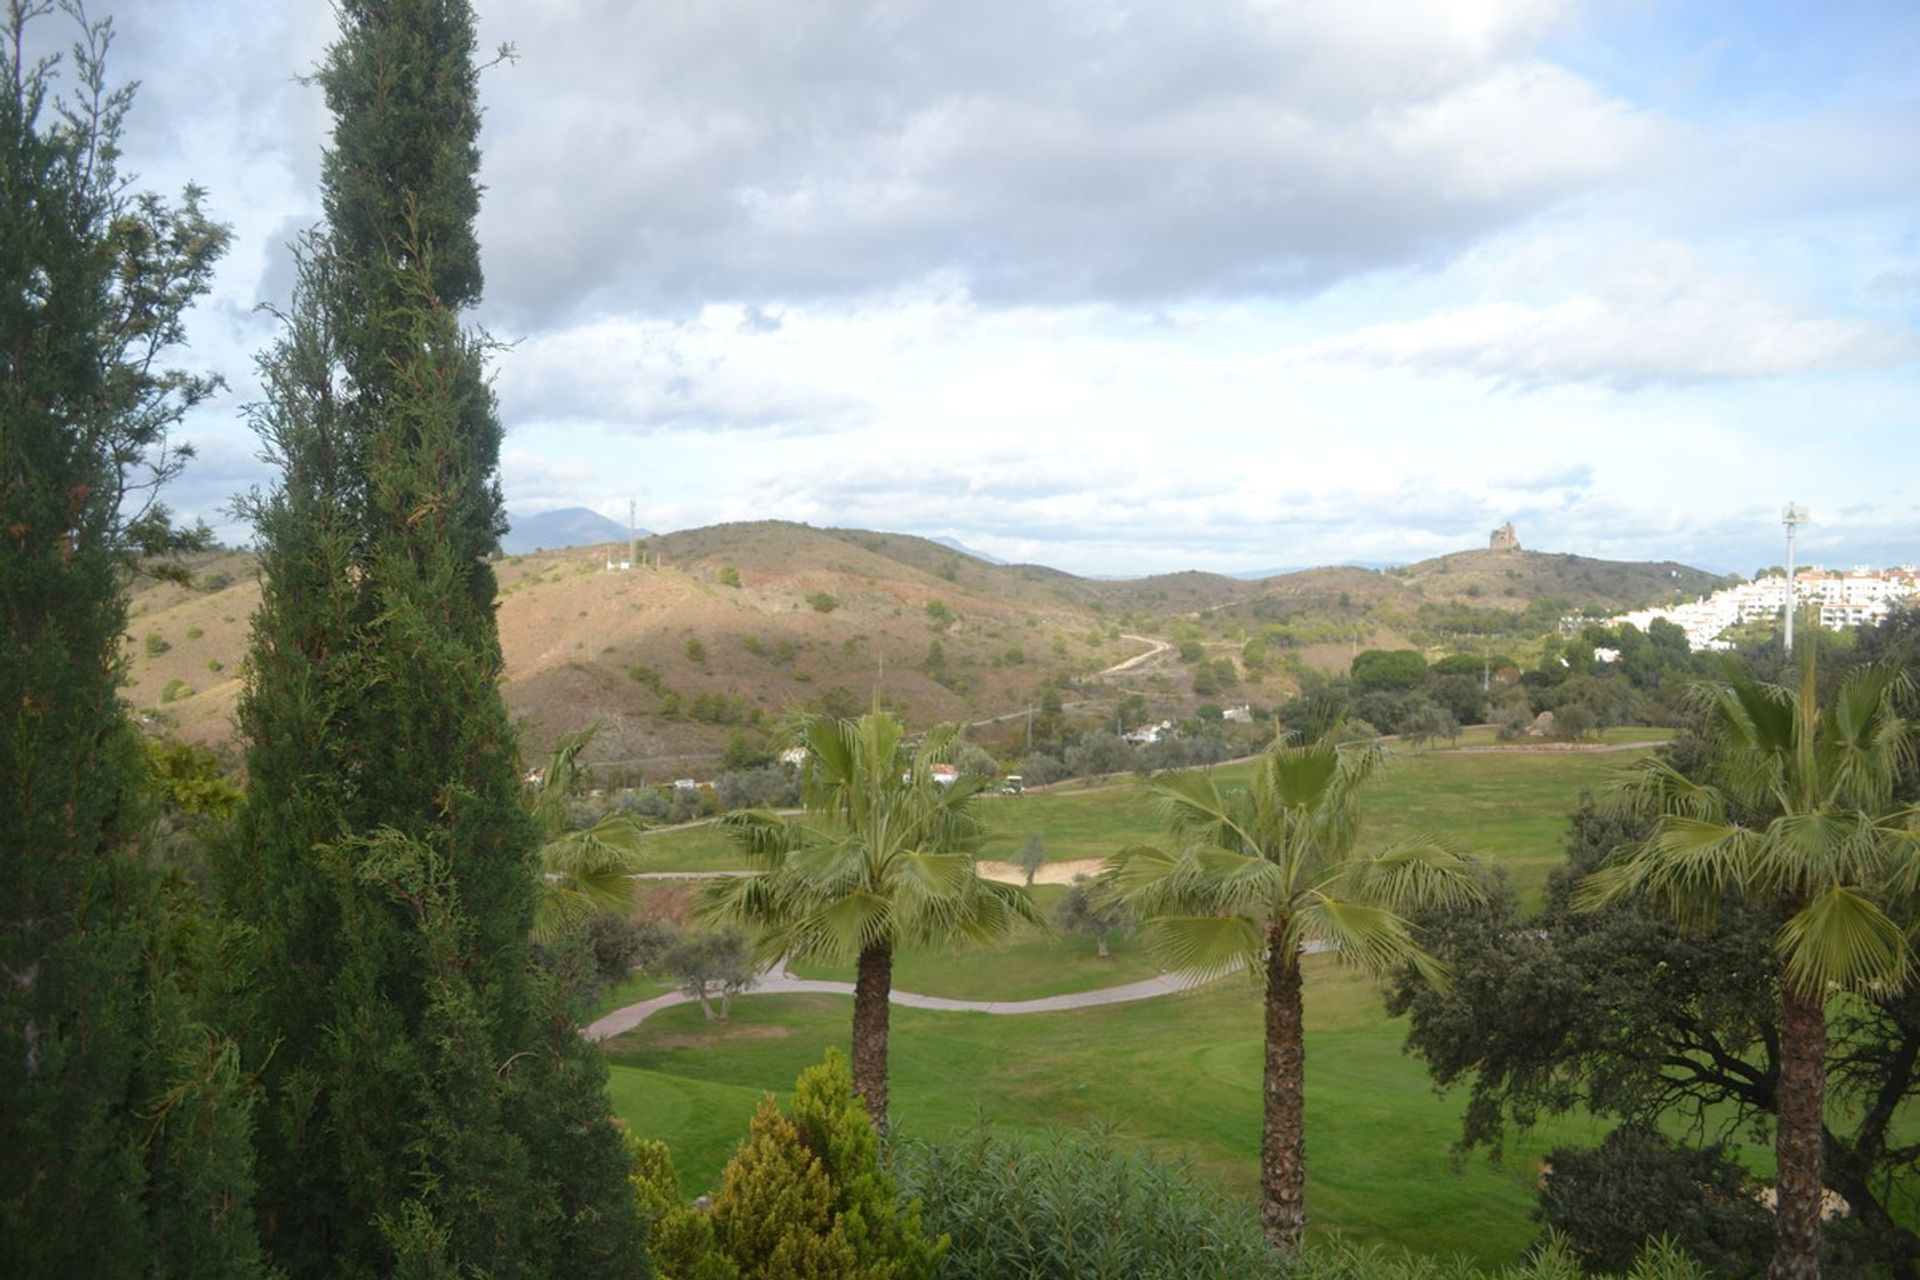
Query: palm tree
{"type": "Point", "coordinates": [884, 859]}
{"type": "Point", "coordinates": [1797, 811]}
{"type": "Point", "coordinates": [1265, 870]}
{"type": "Point", "coordinates": [581, 871]}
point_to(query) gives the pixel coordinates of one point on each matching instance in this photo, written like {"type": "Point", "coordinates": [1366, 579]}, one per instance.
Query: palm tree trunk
{"type": "Point", "coordinates": [872, 990]}
{"type": "Point", "coordinates": [1283, 1145]}
{"type": "Point", "coordinates": [1798, 1147]}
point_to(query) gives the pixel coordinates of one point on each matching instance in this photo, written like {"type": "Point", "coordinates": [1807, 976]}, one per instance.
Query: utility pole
{"type": "Point", "coordinates": [1793, 515]}
{"type": "Point", "coordinates": [633, 542]}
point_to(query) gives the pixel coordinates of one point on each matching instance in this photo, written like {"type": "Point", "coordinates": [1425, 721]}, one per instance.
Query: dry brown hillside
{"type": "Point", "coordinates": [741, 623]}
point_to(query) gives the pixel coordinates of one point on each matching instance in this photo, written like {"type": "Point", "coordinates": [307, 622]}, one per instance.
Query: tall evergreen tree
{"type": "Point", "coordinates": [123, 1125]}
{"type": "Point", "coordinates": [432, 1109]}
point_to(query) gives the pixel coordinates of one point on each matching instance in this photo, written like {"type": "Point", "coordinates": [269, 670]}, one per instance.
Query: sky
{"type": "Point", "coordinates": [1139, 287]}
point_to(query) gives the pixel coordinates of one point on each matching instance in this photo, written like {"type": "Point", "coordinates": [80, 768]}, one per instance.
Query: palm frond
{"type": "Point", "coordinates": [1365, 934]}
{"type": "Point", "coordinates": [766, 838]}
{"type": "Point", "coordinates": [1192, 804]}
{"type": "Point", "coordinates": [1688, 864]}
{"type": "Point", "coordinates": [1206, 947]}
{"type": "Point", "coordinates": [1840, 938]}
{"type": "Point", "coordinates": [852, 922]}
{"type": "Point", "coordinates": [1652, 788]}
{"type": "Point", "coordinates": [1423, 872]}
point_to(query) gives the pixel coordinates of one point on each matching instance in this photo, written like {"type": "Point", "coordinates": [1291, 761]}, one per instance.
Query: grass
{"type": "Point", "coordinates": [1509, 807]}
{"type": "Point", "coordinates": [1179, 1075]}
{"type": "Point", "coordinates": [629, 990]}
{"type": "Point", "coordinates": [1029, 966]}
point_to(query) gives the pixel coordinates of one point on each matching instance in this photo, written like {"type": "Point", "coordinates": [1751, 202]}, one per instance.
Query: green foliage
{"type": "Point", "coordinates": [218, 580]}
{"type": "Point", "coordinates": [680, 1238]}
{"type": "Point", "coordinates": [696, 651]}
{"type": "Point", "coordinates": [1387, 669]}
{"type": "Point", "coordinates": [808, 1196]}
{"type": "Point", "coordinates": [728, 576]}
{"type": "Point", "coordinates": [156, 644]}
{"type": "Point", "coordinates": [823, 602]}
{"type": "Point", "coordinates": [939, 616]}
{"type": "Point", "coordinates": [642, 673]}
{"type": "Point", "coordinates": [175, 689]}
{"type": "Point", "coordinates": [429, 1105]}
{"type": "Point", "coordinates": [123, 1119]}
{"type": "Point", "coordinates": [188, 777]}
{"type": "Point", "coordinates": [884, 859]}
{"type": "Point", "coordinates": [1636, 1186]}
{"type": "Point", "coordinates": [949, 569]}
{"type": "Point", "coordinates": [1091, 910]}
{"type": "Point", "coordinates": [1068, 1207]}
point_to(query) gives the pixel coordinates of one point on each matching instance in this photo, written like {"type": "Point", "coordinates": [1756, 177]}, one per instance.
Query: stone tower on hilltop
{"type": "Point", "coordinates": [1504, 539]}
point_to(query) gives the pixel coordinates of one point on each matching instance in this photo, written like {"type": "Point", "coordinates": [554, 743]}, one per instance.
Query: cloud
{"type": "Point", "coordinates": [661, 156]}
{"type": "Point", "coordinates": [1664, 319]}
{"type": "Point", "coordinates": [643, 377]}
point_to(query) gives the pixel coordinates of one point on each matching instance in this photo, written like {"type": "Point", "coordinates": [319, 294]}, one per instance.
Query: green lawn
{"type": "Point", "coordinates": [1029, 966]}
{"type": "Point", "coordinates": [1508, 807]}
{"type": "Point", "coordinates": [1179, 1074]}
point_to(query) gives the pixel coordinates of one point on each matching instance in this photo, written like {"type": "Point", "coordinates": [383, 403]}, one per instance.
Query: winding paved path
{"type": "Point", "coordinates": [778, 982]}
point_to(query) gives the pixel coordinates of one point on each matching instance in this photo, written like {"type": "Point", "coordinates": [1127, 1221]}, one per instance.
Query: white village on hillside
{"type": "Point", "coordinates": [1844, 599]}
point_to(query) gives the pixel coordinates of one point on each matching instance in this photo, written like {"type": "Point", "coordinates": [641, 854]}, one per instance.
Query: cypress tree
{"type": "Point", "coordinates": [432, 1109]}
{"type": "Point", "coordinates": [123, 1124]}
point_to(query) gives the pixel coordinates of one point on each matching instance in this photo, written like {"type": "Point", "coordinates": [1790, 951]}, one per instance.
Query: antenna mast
{"type": "Point", "coordinates": [1793, 515]}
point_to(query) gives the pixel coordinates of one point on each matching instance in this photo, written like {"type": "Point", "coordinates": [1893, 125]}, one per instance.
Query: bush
{"type": "Point", "coordinates": [822, 602]}
{"type": "Point", "coordinates": [1039, 769]}
{"type": "Point", "coordinates": [1609, 1199]}
{"type": "Point", "coordinates": [156, 644]}
{"type": "Point", "coordinates": [807, 1198]}
{"type": "Point", "coordinates": [218, 580]}
{"type": "Point", "coordinates": [642, 673]}
{"type": "Point", "coordinates": [939, 616]}
{"type": "Point", "coordinates": [175, 690]}
{"type": "Point", "coordinates": [1071, 1206]}
{"type": "Point", "coordinates": [1375, 669]}
{"type": "Point", "coordinates": [646, 802]}
{"type": "Point", "coordinates": [696, 652]}
{"type": "Point", "coordinates": [728, 576]}
{"type": "Point", "coordinates": [767, 787]}
{"type": "Point", "coordinates": [1098, 753]}
{"type": "Point", "coordinates": [194, 633]}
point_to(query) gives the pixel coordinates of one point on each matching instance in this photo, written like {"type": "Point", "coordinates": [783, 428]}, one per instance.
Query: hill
{"type": "Point", "coordinates": [741, 623]}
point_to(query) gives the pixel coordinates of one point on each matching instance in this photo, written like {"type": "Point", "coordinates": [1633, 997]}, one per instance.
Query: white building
{"type": "Point", "coordinates": [1848, 599]}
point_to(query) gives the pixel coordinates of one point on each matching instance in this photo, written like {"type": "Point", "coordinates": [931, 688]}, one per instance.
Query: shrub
{"type": "Point", "coordinates": [939, 616]}
{"type": "Point", "coordinates": [822, 602]}
{"type": "Point", "coordinates": [175, 690]}
{"type": "Point", "coordinates": [728, 576]}
{"type": "Point", "coordinates": [696, 651]}
{"type": "Point", "coordinates": [218, 580]}
{"type": "Point", "coordinates": [808, 1197]}
{"type": "Point", "coordinates": [1607, 1200]}
{"type": "Point", "coordinates": [768, 787]}
{"type": "Point", "coordinates": [1070, 1206]}
{"type": "Point", "coordinates": [156, 644]}
{"type": "Point", "coordinates": [216, 666]}
{"type": "Point", "coordinates": [642, 673]}
{"type": "Point", "coordinates": [194, 633]}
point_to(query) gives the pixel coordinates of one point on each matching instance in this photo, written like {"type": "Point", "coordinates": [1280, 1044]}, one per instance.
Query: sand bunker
{"type": "Point", "coordinates": [1052, 873]}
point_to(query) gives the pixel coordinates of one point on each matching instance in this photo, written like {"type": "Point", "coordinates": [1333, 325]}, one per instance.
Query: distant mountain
{"type": "Point", "coordinates": [1256, 575]}
{"type": "Point", "coordinates": [966, 550]}
{"type": "Point", "coordinates": [567, 527]}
